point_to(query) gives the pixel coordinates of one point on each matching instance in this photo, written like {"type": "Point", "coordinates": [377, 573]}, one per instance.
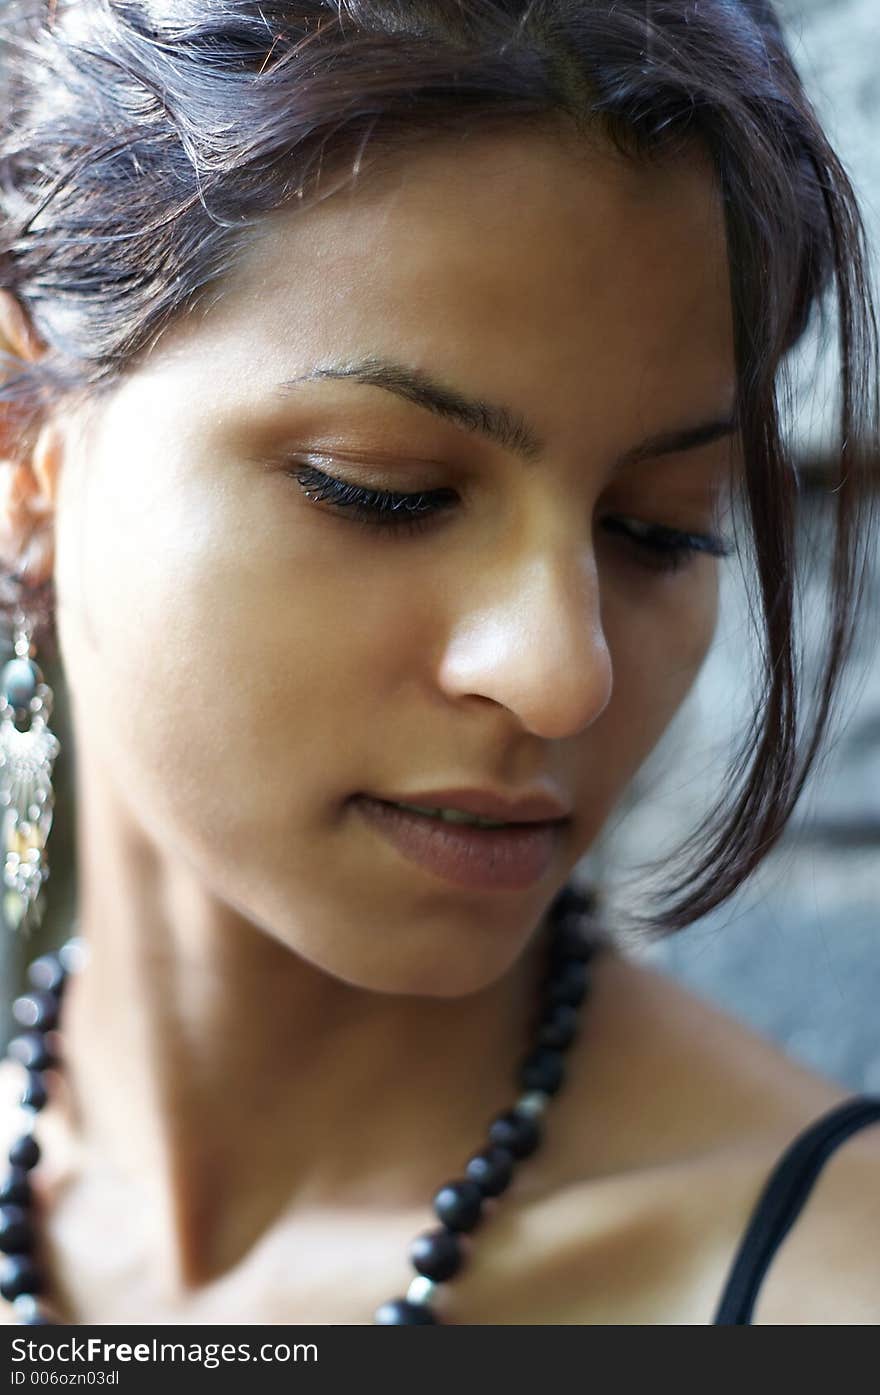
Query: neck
{"type": "Point", "coordinates": [228, 1082]}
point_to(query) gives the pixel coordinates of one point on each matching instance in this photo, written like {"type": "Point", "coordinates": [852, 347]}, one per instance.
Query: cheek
{"type": "Point", "coordinates": [658, 647]}
{"type": "Point", "coordinates": [223, 665]}
{"type": "Point", "coordinates": [657, 651]}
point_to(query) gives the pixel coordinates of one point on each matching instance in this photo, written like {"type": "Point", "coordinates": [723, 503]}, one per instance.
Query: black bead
{"type": "Point", "coordinates": [38, 1009]}
{"type": "Point", "coordinates": [491, 1170]}
{"type": "Point", "coordinates": [19, 1275]}
{"type": "Point", "coordinates": [16, 1231]}
{"type": "Point", "coordinates": [15, 1188]}
{"type": "Point", "coordinates": [568, 983]}
{"type": "Point", "coordinates": [542, 1070]}
{"type": "Point", "coordinates": [568, 900]}
{"type": "Point", "coordinates": [32, 1050]}
{"type": "Point", "coordinates": [558, 1028]}
{"type": "Point", "coordinates": [459, 1204]}
{"type": "Point", "coordinates": [518, 1133]}
{"type": "Point", "coordinates": [25, 1152]}
{"type": "Point", "coordinates": [398, 1312]}
{"type": "Point", "coordinates": [34, 1095]}
{"type": "Point", "coordinates": [437, 1254]}
{"type": "Point", "coordinates": [47, 973]}
{"type": "Point", "coordinates": [571, 942]}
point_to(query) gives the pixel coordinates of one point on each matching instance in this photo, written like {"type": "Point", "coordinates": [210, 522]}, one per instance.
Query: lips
{"type": "Point", "coordinates": [483, 859]}
{"type": "Point", "coordinates": [532, 806]}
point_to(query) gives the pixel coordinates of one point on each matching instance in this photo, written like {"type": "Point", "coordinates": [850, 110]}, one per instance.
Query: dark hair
{"type": "Point", "coordinates": [143, 140]}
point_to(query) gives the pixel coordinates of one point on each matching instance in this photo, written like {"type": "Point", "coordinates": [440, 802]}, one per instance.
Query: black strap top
{"type": "Point", "coordinates": [782, 1199]}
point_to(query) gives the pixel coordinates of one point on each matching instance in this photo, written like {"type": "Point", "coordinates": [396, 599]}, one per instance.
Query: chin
{"type": "Point", "coordinates": [426, 971]}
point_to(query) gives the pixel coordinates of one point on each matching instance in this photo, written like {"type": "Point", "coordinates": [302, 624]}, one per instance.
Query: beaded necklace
{"type": "Point", "coordinates": [436, 1255]}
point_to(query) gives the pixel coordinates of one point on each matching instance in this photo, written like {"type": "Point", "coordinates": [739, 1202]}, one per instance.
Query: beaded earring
{"type": "Point", "coordinates": [27, 754]}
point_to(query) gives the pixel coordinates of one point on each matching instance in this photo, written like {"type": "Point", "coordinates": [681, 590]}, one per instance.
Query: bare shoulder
{"type": "Point", "coordinates": [827, 1269]}
{"type": "Point", "coordinates": [680, 1113]}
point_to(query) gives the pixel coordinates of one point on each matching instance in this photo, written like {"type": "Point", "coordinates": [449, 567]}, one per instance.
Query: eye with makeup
{"type": "Point", "coordinates": [656, 547]}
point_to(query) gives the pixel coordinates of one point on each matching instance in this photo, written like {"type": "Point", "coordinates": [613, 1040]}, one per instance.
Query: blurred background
{"type": "Point", "coordinates": [796, 954]}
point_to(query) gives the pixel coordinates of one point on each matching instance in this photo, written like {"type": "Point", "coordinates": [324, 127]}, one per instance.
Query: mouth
{"type": "Point", "coordinates": [511, 857]}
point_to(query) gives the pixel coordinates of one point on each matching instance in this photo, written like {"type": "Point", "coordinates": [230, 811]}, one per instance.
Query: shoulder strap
{"type": "Point", "coordinates": [782, 1199]}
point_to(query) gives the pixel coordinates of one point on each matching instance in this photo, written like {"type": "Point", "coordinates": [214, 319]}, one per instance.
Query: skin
{"type": "Point", "coordinates": [307, 1033]}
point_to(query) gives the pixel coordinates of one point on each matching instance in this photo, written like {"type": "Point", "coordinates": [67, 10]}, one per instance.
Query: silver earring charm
{"type": "Point", "coordinates": [27, 753]}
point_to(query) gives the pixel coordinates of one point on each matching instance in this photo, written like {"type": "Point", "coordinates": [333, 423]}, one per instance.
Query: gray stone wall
{"type": "Point", "coordinates": [836, 46]}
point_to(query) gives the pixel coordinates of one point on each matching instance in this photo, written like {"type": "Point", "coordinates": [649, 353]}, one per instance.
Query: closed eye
{"type": "Point", "coordinates": [659, 548]}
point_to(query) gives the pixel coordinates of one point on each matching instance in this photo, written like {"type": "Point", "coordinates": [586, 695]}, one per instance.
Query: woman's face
{"type": "Point", "coordinates": [243, 658]}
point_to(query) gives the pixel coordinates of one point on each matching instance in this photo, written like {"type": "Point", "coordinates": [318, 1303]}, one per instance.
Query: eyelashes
{"type": "Point", "coordinates": [671, 548]}
{"type": "Point", "coordinates": [379, 507]}
{"type": "Point", "coordinates": [659, 548]}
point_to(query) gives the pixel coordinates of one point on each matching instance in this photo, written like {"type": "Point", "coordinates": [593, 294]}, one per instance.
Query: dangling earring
{"type": "Point", "coordinates": [27, 753]}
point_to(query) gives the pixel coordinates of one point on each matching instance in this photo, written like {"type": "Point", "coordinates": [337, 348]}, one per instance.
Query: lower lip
{"type": "Point", "coordinates": [499, 859]}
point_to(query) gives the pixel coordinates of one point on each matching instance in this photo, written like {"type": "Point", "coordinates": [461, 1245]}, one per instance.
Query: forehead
{"type": "Point", "coordinates": [521, 262]}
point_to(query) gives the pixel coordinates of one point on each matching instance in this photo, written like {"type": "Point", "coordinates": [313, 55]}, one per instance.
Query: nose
{"type": "Point", "coordinates": [533, 642]}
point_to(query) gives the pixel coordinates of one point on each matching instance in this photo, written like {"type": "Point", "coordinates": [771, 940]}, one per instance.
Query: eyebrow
{"type": "Point", "coordinates": [499, 424]}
